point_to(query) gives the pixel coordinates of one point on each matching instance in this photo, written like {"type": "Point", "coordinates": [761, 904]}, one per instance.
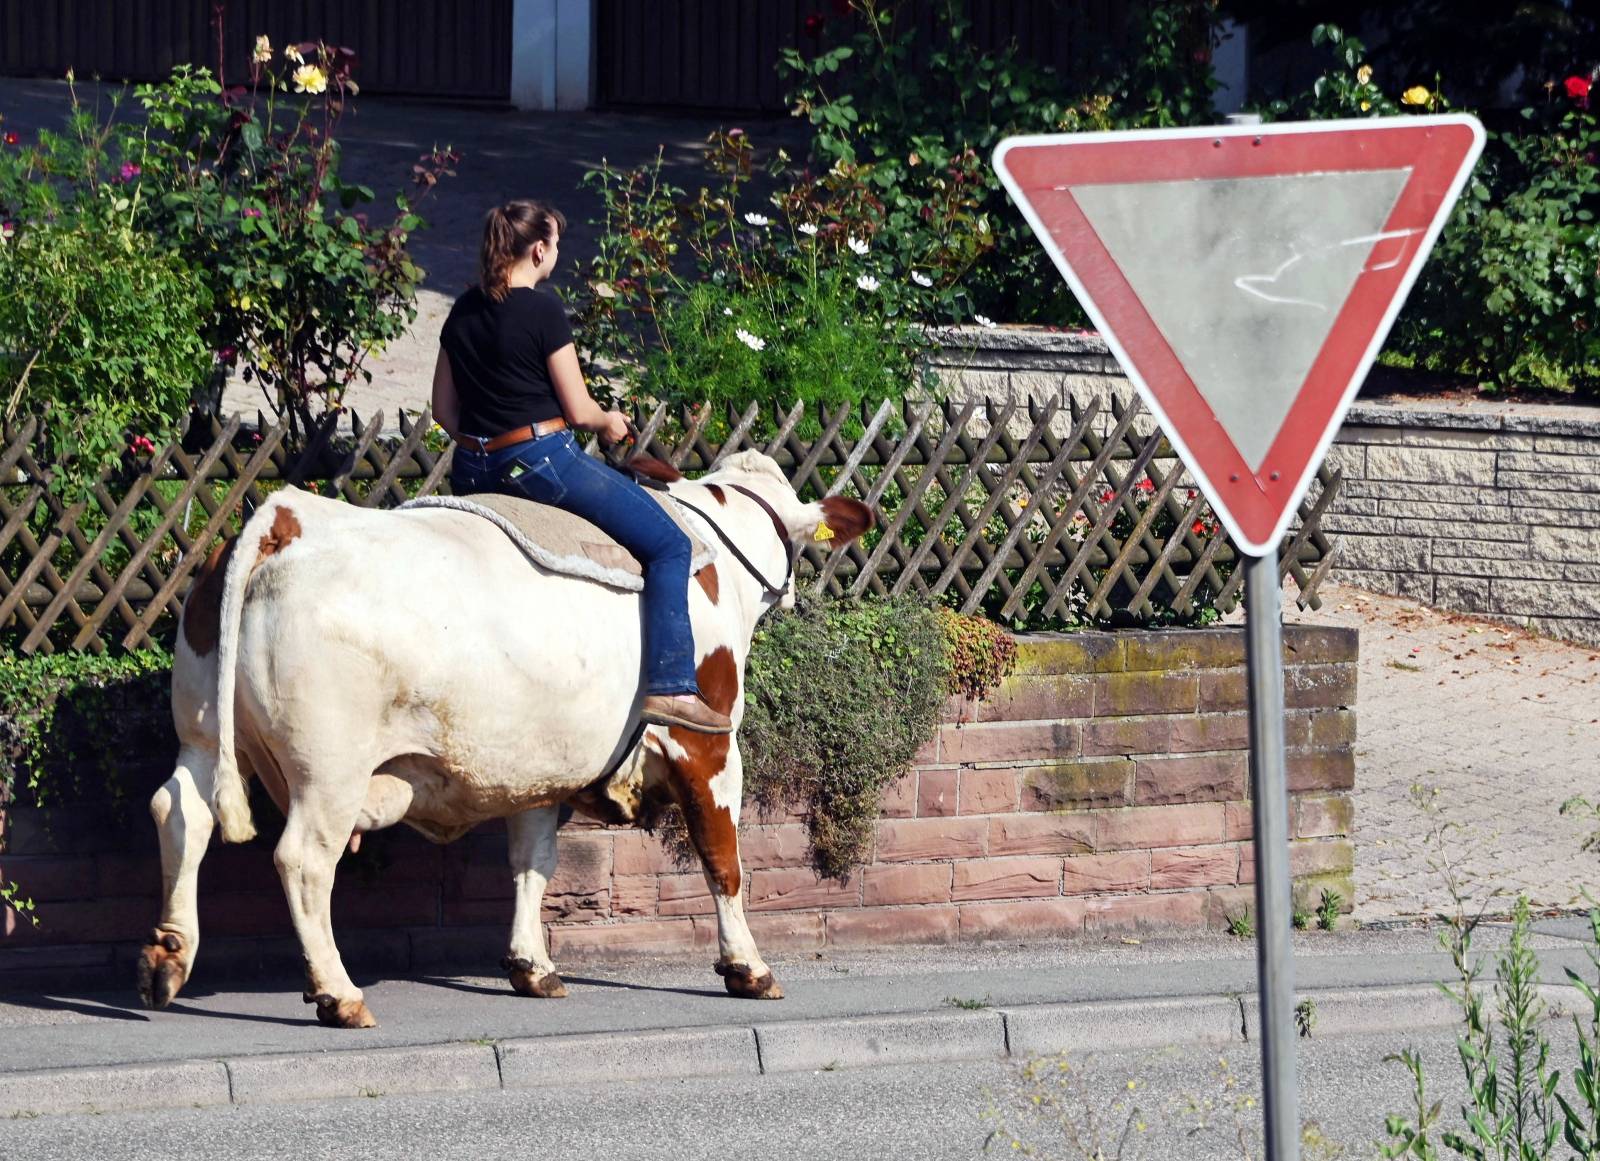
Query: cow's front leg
{"type": "Point", "coordinates": [533, 863]}
{"type": "Point", "coordinates": [320, 819]}
{"type": "Point", "coordinates": [182, 812]}
{"type": "Point", "coordinates": [706, 774]}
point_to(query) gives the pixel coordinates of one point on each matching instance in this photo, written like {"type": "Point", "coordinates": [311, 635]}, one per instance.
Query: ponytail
{"type": "Point", "coordinates": [509, 232]}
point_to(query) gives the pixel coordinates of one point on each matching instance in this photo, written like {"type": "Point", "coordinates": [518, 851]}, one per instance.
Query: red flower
{"type": "Point", "coordinates": [1146, 485]}
{"type": "Point", "coordinates": [141, 445]}
{"type": "Point", "coordinates": [1578, 88]}
{"type": "Point", "coordinates": [814, 24]}
{"type": "Point", "coordinates": [1199, 528]}
{"type": "Point", "coordinates": [1107, 496]}
{"type": "Point", "coordinates": [12, 139]}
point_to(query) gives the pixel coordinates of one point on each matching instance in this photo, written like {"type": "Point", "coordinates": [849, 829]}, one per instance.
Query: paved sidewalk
{"type": "Point", "coordinates": [73, 1053]}
{"type": "Point", "coordinates": [1498, 727]}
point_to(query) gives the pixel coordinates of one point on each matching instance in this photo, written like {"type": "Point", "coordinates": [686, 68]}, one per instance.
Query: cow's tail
{"type": "Point", "coordinates": [229, 796]}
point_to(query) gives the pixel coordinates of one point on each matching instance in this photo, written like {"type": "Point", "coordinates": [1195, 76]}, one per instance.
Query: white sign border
{"type": "Point", "coordinates": [1269, 545]}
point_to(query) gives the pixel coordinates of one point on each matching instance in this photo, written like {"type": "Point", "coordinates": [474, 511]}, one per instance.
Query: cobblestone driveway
{"type": "Point", "coordinates": [1503, 725]}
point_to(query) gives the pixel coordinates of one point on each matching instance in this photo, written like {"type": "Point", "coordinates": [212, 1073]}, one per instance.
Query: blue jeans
{"type": "Point", "coordinates": [554, 470]}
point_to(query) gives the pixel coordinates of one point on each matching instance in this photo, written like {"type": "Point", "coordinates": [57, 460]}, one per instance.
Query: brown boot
{"type": "Point", "coordinates": [685, 710]}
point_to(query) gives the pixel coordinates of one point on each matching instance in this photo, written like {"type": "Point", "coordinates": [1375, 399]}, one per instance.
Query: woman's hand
{"type": "Point", "coordinates": [616, 428]}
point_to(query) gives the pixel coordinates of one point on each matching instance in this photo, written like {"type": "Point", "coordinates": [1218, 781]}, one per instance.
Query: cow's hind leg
{"type": "Point", "coordinates": [707, 779]}
{"type": "Point", "coordinates": [182, 812]}
{"type": "Point", "coordinates": [322, 814]}
{"type": "Point", "coordinates": [533, 863]}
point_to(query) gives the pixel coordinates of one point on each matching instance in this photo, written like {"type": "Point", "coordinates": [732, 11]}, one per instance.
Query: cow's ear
{"type": "Point", "coordinates": [841, 520]}
{"type": "Point", "coordinates": [654, 469]}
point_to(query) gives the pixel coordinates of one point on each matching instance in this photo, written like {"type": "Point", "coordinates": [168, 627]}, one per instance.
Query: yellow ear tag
{"type": "Point", "coordinates": [823, 532]}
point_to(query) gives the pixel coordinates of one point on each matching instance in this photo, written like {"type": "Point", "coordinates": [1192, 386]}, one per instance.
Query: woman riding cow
{"type": "Point", "coordinates": [507, 388]}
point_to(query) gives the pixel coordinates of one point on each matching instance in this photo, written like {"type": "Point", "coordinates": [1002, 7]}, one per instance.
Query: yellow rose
{"type": "Point", "coordinates": [310, 79]}
{"type": "Point", "coordinates": [1365, 105]}
{"type": "Point", "coordinates": [1364, 74]}
{"type": "Point", "coordinates": [1417, 95]}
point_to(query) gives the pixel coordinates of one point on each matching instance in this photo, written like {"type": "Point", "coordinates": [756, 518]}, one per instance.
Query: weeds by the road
{"type": "Point", "coordinates": [1515, 1108]}
{"type": "Point", "coordinates": [1061, 1108]}
{"type": "Point", "coordinates": [966, 1003]}
{"type": "Point", "coordinates": [1328, 909]}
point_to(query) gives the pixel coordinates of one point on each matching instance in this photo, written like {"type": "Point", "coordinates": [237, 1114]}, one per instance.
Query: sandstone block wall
{"type": "Point", "coordinates": [1101, 789]}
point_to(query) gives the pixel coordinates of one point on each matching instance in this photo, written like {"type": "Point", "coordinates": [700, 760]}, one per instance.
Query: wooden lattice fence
{"type": "Point", "coordinates": [1038, 514]}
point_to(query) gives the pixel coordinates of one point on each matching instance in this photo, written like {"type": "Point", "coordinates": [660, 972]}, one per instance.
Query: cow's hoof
{"type": "Point", "coordinates": [744, 983]}
{"type": "Point", "coordinates": [527, 980]}
{"type": "Point", "coordinates": [335, 1013]}
{"type": "Point", "coordinates": [162, 970]}
{"type": "Point", "coordinates": [545, 987]}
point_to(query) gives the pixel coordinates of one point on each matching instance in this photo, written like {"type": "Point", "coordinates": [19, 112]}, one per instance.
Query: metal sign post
{"type": "Point", "coordinates": [1274, 891]}
{"type": "Point", "coordinates": [1245, 276]}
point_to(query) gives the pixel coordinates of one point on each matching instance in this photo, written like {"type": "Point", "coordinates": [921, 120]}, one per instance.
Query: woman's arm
{"type": "Point", "coordinates": [577, 404]}
{"type": "Point", "coordinates": [446, 404]}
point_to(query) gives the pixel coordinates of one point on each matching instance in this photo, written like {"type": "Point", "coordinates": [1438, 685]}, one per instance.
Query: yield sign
{"type": "Point", "coordinates": [1245, 276]}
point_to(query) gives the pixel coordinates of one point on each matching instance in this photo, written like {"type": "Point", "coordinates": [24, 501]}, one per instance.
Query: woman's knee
{"type": "Point", "coordinates": [672, 549]}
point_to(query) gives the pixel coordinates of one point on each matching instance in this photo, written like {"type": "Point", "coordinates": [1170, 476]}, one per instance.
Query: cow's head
{"type": "Point", "coordinates": [835, 520]}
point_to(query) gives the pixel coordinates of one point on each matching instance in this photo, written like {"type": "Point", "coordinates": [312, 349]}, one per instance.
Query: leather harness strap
{"type": "Point", "coordinates": [775, 591]}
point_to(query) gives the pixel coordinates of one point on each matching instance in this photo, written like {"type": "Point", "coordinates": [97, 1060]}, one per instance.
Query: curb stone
{"type": "Point", "coordinates": [363, 1072]}
{"type": "Point", "coordinates": [114, 1088]}
{"type": "Point", "coordinates": [600, 1056]}
{"type": "Point", "coordinates": [1039, 1029]}
{"type": "Point", "coordinates": [664, 1054]}
{"type": "Point", "coordinates": [860, 1041]}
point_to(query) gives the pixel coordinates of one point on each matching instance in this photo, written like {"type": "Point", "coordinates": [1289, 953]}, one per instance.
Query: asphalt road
{"type": "Point", "coordinates": [926, 1111]}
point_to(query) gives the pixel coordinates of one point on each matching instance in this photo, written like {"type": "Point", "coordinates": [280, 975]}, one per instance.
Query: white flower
{"type": "Point", "coordinates": [756, 219]}
{"type": "Point", "coordinates": [857, 246]}
{"type": "Point", "coordinates": [920, 278]}
{"type": "Point", "coordinates": [750, 340]}
{"type": "Point", "coordinates": [984, 320]}
{"type": "Point", "coordinates": [866, 282]}
{"type": "Point", "coordinates": [807, 229]}
{"type": "Point", "coordinates": [263, 51]}
{"type": "Point", "coordinates": [293, 53]}
{"type": "Point", "coordinates": [728, 310]}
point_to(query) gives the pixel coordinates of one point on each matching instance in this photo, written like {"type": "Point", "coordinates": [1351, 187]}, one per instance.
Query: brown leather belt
{"type": "Point", "coordinates": [516, 435]}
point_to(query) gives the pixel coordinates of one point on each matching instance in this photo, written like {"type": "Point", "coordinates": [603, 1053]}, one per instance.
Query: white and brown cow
{"type": "Point", "coordinates": [412, 666]}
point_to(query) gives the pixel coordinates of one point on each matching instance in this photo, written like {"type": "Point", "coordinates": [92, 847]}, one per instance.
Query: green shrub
{"type": "Point", "coordinates": [65, 717]}
{"type": "Point", "coordinates": [1510, 294]}
{"type": "Point", "coordinates": [902, 116]}
{"type": "Point", "coordinates": [710, 298]}
{"type": "Point", "coordinates": [246, 184]}
{"type": "Point", "coordinates": [979, 654]}
{"type": "Point", "coordinates": [839, 696]}
{"type": "Point", "coordinates": [241, 189]}
{"type": "Point", "coordinates": [103, 333]}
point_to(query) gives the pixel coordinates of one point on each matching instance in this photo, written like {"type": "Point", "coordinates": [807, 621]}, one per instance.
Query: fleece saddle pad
{"type": "Point", "coordinates": [561, 542]}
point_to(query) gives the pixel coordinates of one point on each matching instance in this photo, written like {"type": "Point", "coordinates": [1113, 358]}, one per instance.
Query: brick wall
{"type": "Point", "coordinates": [1490, 508]}
{"type": "Point", "coordinates": [1101, 789]}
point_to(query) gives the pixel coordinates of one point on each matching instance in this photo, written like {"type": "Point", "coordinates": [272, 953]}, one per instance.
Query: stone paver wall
{"type": "Point", "coordinates": [1489, 508]}
{"type": "Point", "coordinates": [1100, 790]}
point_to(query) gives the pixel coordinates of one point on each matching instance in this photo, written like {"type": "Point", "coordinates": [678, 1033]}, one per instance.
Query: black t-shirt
{"type": "Point", "coordinates": [499, 354]}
